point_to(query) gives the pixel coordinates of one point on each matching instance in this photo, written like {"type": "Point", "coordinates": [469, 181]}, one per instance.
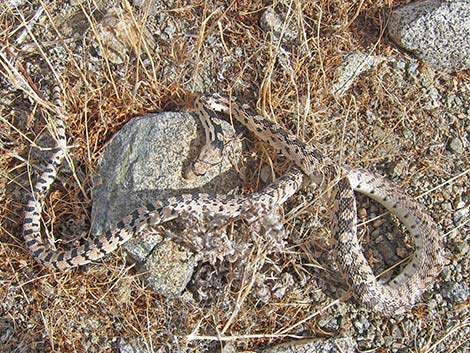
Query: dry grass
{"type": "Point", "coordinates": [214, 47]}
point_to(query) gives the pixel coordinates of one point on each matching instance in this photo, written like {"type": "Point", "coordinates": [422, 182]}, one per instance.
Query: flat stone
{"type": "Point", "coordinates": [352, 67]}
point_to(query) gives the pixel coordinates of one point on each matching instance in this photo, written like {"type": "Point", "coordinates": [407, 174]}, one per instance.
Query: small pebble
{"type": "Point", "coordinates": [362, 213]}
{"type": "Point", "coordinates": [402, 252]}
{"type": "Point", "coordinates": [361, 325]}
{"type": "Point", "coordinates": [330, 323]}
{"type": "Point", "coordinates": [446, 206]}
{"type": "Point", "coordinates": [456, 145]}
{"type": "Point", "coordinates": [455, 292]}
{"type": "Point", "coordinates": [460, 247]}
{"type": "Point", "coordinates": [459, 202]}
{"type": "Point", "coordinates": [432, 304]}
{"type": "Point", "coordinates": [378, 223]}
{"type": "Point", "coordinates": [446, 274]}
{"type": "Point", "coordinates": [460, 216]}
{"type": "Point", "coordinates": [408, 134]}
{"type": "Point", "coordinates": [272, 23]}
{"type": "Point", "coordinates": [397, 169]}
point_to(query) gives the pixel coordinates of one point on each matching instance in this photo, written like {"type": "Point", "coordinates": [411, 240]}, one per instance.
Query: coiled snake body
{"type": "Point", "coordinates": [393, 298]}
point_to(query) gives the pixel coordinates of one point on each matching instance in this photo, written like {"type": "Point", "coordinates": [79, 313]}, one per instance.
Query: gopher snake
{"type": "Point", "coordinates": [392, 298]}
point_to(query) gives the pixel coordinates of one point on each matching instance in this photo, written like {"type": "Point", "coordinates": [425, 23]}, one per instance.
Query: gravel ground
{"type": "Point", "coordinates": [393, 115]}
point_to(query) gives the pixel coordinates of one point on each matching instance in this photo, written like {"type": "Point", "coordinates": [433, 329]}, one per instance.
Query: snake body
{"type": "Point", "coordinates": [426, 263]}
{"type": "Point", "coordinates": [389, 299]}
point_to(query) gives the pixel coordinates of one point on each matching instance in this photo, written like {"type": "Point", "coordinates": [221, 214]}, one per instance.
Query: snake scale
{"type": "Point", "coordinates": [392, 298]}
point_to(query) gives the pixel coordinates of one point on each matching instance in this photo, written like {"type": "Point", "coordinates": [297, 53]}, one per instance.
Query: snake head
{"type": "Point", "coordinates": [219, 102]}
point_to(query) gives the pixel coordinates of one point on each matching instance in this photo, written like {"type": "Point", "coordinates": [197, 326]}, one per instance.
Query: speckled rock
{"type": "Point", "coordinates": [435, 31]}
{"type": "Point", "coordinates": [124, 346]}
{"type": "Point", "coordinates": [339, 344]}
{"type": "Point", "coordinates": [455, 292]}
{"type": "Point", "coordinates": [456, 145]}
{"type": "Point", "coordinates": [353, 65]}
{"type": "Point", "coordinates": [330, 322]}
{"type": "Point", "coordinates": [144, 163]}
{"type": "Point", "coordinates": [166, 278]}
{"type": "Point", "coordinates": [461, 216]}
{"type": "Point", "coordinates": [117, 35]}
{"type": "Point", "coordinates": [272, 23]}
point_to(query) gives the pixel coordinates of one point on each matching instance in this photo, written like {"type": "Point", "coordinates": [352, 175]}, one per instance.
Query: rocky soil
{"type": "Point", "coordinates": [331, 73]}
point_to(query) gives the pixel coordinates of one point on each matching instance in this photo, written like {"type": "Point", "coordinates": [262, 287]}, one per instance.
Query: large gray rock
{"type": "Point", "coordinates": [436, 31]}
{"type": "Point", "coordinates": [143, 163]}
